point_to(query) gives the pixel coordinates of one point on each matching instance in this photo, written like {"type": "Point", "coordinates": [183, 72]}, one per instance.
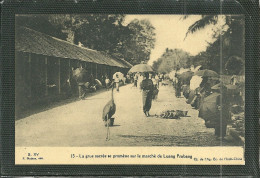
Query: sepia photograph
{"type": "Point", "coordinates": [125, 80]}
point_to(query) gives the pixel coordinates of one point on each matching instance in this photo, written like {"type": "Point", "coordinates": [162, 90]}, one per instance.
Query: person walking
{"type": "Point", "coordinates": [147, 94]}
{"type": "Point", "coordinates": [80, 75]}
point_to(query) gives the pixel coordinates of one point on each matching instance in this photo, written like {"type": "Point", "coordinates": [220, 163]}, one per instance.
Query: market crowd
{"type": "Point", "coordinates": [219, 99]}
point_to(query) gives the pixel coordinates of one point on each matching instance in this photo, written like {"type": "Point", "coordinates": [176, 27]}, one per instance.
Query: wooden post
{"type": "Point", "coordinates": [30, 75]}
{"type": "Point", "coordinates": [46, 76]}
{"type": "Point", "coordinates": [91, 69]}
{"type": "Point", "coordinates": [69, 70]}
{"type": "Point", "coordinates": [59, 88]}
{"type": "Point", "coordinates": [96, 70]}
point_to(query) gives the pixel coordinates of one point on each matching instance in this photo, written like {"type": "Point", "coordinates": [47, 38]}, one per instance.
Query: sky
{"type": "Point", "coordinates": [171, 31]}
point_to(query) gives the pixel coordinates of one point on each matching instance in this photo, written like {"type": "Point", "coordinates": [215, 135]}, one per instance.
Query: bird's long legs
{"type": "Point", "coordinates": [108, 133]}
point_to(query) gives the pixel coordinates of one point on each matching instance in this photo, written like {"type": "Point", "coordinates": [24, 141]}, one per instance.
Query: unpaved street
{"type": "Point", "coordinates": [79, 124]}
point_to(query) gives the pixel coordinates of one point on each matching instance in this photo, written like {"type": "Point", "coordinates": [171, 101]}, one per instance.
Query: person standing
{"type": "Point", "coordinates": [116, 81]}
{"type": "Point", "coordinates": [147, 94]}
{"type": "Point", "coordinates": [80, 75]}
{"type": "Point", "coordinates": [222, 117]}
{"type": "Point", "coordinates": [140, 79]}
{"type": "Point", "coordinates": [178, 88]}
{"type": "Point", "coordinates": [157, 80]}
{"type": "Point", "coordinates": [135, 80]}
{"type": "Point", "coordinates": [155, 88]}
{"type": "Point", "coordinates": [233, 80]}
{"type": "Point", "coordinates": [107, 81]}
{"type": "Point", "coordinates": [154, 82]}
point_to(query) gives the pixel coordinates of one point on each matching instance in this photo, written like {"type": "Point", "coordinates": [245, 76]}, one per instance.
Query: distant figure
{"type": "Point", "coordinates": [150, 76]}
{"type": "Point", "coordinates": [223, 115]}
{"type": "Point", "coordinates": [147, 88]}
{"type": "Point", "coordinates": [154, 82]}
{"type": "Point", "coordinates": [103, 78]}
{"type": "Point", "coordinates": [178, 88]}
{"type": "Point", "coordinates": [116, 81]}
{"type": "Point", "coordinates": [233, 80]}
{"type": "Point", "coordinates": [161, 77]}
{"type": "Point", "coordinates": [206, 86]}
{"type": "Point", "coordinates": [140, 79]}
{"type": "Point", "coordinates": [135, 80]}
{"type": "Point", "coordinates": [157, 80]}
{"type": "Point", "coordinates": [128, 78]}
{"type": "Point", "coordinates": [124, 80]}
{"type": "Point", "coordinates": [107, 82]}
{"type": "Point", "coordinates": [81, 77]}
{"type": "Point", "coordinates": [155, 89]}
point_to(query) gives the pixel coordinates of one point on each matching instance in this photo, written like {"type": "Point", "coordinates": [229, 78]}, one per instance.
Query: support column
{"type": "Point", "coordinates": [96, 70]}
{"type": "Point", "coordinates": [30, 74]}
{"type": "Point", "coordinates": [69, 70]}
{"type": "Point", "coordinates": [46, 76]}
{"type": "Point", "coordinates": [59, 88]}
{"type": "Point", "coordinates": [91, 68]}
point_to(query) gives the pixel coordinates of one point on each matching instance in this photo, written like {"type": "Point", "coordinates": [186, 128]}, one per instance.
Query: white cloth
{"type": "Point", "coordinates": [116, 80]}
{"type": "Point", "coordinates": [154, 81]}
{"type": "Point", "coordinates": [195, 82]}
{"type": "Point", "coordinates": [140, 79]}
{"type": "Point", "coordinates": [107, 80]}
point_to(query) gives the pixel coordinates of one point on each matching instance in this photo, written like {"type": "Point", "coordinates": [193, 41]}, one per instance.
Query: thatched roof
{"type": "Point", "coordinates": [31, 41]}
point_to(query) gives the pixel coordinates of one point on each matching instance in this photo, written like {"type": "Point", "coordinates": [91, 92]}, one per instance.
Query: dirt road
{"type": "Point", "coordinates": [79, 124]}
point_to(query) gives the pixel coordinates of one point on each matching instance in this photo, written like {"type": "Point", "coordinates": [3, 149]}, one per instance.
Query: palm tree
{"type": "Point", "coordinates": [200, 24]}
{"type": "Point", "coordinates": [230, 37]}
{"type": "Point", "coordinates": [233, 37]}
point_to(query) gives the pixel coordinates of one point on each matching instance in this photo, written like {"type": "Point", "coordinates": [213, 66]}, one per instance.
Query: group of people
{"type": "Point", "coordinates": [147, 82]}
{"type": "Point", "coordinates": [86, 81]}
{"type": "Point", "coordinates": [137, 78]}
{"type": "Point", "coordinates": [211, 92]}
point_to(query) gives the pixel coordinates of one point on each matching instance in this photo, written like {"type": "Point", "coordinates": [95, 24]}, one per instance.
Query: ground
{"type": "Point", "coordinates": [79, 123]}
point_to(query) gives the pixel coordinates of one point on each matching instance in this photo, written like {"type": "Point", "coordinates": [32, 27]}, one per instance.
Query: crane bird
{"type": "Point", "coordinates": [108, 111]}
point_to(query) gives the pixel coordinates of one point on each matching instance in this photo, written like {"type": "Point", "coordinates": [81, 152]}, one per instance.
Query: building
{"type": "Point", "coordinates": [43, 67]}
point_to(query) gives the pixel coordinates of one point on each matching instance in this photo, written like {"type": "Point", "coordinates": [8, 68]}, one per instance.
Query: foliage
{"type": "Point", "coordinates": [205, 20]}
{"type": "Point", "coordinates": [171, 59]}
{"type": "Point", "coordinates": [40, 23]}
{"type": "Point", "coordinates": [229, 42]}
{"type": "Point", "coordinates": [138, 45]}
{"type": "Point", "coordinates": [102, 32]}
{"type": "Point", "coordinates": [234, 65]}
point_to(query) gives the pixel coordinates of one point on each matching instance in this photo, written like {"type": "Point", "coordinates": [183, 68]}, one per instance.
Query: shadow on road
{"type": "Point", "coordinates": [59, 102]}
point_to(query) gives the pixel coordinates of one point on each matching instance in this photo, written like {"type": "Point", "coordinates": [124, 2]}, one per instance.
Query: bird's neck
{"type": "Point", "coordinates": [112, 94]}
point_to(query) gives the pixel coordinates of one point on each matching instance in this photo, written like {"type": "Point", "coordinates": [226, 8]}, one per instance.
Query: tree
{"type": "Point", "coordinates": [101, 32]}
{"type": "Point", "coordinates": [234, 65]}
{"type": "Point", "coordinates": [171, 59]}
{"type": "Point", "coordinates": [39, 23]}
{"type": "Point", "coordinates": [138, 45]}
{"type": "Point", "coordinates": [228, 42]}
